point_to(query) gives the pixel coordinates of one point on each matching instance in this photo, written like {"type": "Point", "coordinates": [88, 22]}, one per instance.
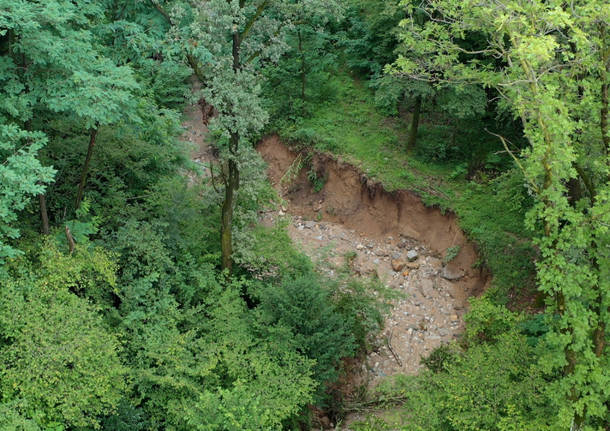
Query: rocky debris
{"type": "Point", "coordinates": [412, 255]}
{"type": "Point", "coordinates": [428, 309]}
{"type": "Point", "coordinates": [452, 274]}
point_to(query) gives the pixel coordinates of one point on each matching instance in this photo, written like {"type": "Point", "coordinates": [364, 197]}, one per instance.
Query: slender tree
{"type": "Point", "coordinates": [227, 43]}
{"type": "Point", "coordinates": [554, 76]}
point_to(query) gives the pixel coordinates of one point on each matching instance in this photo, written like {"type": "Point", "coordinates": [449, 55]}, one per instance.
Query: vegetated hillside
{"type": "Point", "coordinates": [141, 289]}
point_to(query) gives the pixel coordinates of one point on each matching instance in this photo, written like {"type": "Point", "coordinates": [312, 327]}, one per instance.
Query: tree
{"type": "Point", "coordinates": [21, 176]}
{"type": "Point", "coordinates": [226, 43]}
{"type": "Point", "coordinates": [54, 63]}
{"type": "Point", "coordinates": [51, 338]}
{"type": "Point", "coordinates": [553, 75]}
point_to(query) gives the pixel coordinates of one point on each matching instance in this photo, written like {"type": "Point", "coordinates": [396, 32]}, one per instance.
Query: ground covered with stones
{"type": "Point", "coordinates": [430, 300]}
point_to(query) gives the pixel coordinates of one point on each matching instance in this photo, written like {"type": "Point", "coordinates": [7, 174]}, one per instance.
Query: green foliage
{"type": "Point", "coordinates": [138, 329]}
{"type": "Point", "coordinates": [270, 253]}
{"type": "Point", "coordinates": [193, 352]}
{"type": "Point", "coordinates": [369, 38]}
{"type": "Point", "coordinates": [440, 358]}
{"type": "Point", "coordinates": [318, 328]}
{"type": "Point", "coordinates": [558, 99]}
{"type": "Point", "coordinates": [489, 386]}
{"type": "Point", "coordinates": [486, 321]}
{"type": "Point", "coordinates": [317, 183]}
{"type": "Point", "coordinates": [495, 385]}
{"type": "Point", "coordinates": [493, 216]}
{"type": "Point", "coordinates": [364, 305]}
{"type": "Point", "coordinates": [52, 338]}
{"type": "Point", "coordinates": [451, 253]}
{"type": "Point", "coordinates": [21, 176]}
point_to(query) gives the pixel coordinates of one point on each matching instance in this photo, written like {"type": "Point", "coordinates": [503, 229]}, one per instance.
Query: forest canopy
{"type": "Point", "coordinates": [143, 287]}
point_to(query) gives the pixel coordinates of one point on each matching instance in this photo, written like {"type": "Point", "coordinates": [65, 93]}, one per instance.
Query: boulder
{"type": "Point", "coordinates": [412, 255]}
{"type": "Point", "coordinates": [398, 265]}
{"type": "Point", "coordinates": [452, 274]}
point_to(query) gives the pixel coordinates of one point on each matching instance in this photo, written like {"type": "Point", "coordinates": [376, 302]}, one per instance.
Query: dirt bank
{"type": "Point", "coordinates": [392, 235]}
{"type": "Point", "coordinates": [349, 198]}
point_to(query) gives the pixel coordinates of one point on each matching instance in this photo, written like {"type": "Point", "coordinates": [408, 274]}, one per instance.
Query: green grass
{"type": "Point", "coordinates": [350, 126]}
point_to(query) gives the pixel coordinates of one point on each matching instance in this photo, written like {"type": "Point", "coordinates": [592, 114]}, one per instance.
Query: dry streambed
{"type": "Point", "coordinates": [389, 235]}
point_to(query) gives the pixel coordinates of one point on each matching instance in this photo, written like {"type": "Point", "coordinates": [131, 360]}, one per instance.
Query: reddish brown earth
{"type": "Point", "coordinates": [350, 199]}
{"type": "Point", "coordinates": [353, 215]}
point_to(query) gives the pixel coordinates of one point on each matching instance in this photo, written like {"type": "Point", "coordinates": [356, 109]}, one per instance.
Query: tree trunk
{"type": "Point", "coordinates": [43, 213]}
{"type": "Point", "coordinates": [303, 72]}
{"type": "Point", "coordinates": [70, 238]}
{"type": "Point", "coordinates": [231, 177]}
{"type": "Point", "coordinates": [83, 177]}
{"type": "Point", "coordinates": [605, 58]}
{"type": "Point", "coordinates": [231, 186]}
{"type": "Point", "coordinates": [414, 125]}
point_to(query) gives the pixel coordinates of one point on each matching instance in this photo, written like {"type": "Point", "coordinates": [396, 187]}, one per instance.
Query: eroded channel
{"type": "Point", "coordinates": [393, 236]}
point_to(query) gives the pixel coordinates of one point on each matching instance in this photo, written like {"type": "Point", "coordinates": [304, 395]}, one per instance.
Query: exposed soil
{"type": "Point", "coordinates": [350, 199]}
{"type": "Point", "coordinates": [381, 232]}
{"type": "Point", "coordinates": [353, 216]}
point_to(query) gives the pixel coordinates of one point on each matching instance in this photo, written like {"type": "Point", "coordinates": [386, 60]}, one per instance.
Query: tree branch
{"type": "Point", "coordinates": [516, 159]}
{"type": "Point", "coordinates": [162, 11]}
{"type": "Point", "coordinates": [259, 11]}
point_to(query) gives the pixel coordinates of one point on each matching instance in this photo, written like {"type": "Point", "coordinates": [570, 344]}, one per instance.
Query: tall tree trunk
{"type": "Point", "coordinates": [44, 216]}
{"type": "Point", "coordinates": [231, 185]}
{"type": "Point", "coordinates": [414, 125]}
{"type": "Point", "coordinates": [83, 176]}
{"type": "Point", "coordinates": [70, 238]}
{"type": "Point", "coordinates": [231, 177]}
{"type": "Point", "coordinates": [605, 59]}
{"type": "Point", "coordinates": [303, 71]}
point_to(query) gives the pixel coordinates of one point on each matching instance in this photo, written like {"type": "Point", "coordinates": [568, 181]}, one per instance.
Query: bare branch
{"type": "Point", "coordinates": [504, 142]}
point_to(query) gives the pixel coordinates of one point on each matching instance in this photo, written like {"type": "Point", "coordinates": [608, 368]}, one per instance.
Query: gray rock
{"type": "Point", "coordinates": [309, 224]}
{"type": "Point", "coordinates": [451, 274]}
{"type": "Point", "coordinates": [412, 255]}
{"type": "Point", "coordinates": [426, 288]}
